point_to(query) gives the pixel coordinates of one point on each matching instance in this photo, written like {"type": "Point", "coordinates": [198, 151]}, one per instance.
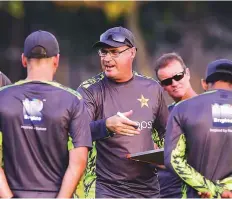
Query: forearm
{"type": "Point", "coordinates": [189, 174]}
{"type": "Point", "coordinates": [5, 191]}
{"type": "Point", "coordinates": [77, 164]}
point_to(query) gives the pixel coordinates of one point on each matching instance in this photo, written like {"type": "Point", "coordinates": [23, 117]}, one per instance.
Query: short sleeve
{"type": "Point", "coordinates": [79, 125]}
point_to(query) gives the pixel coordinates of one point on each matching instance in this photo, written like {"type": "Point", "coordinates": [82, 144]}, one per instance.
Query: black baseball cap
{"type": "Point", "coordinates": [218, 66]}
{"type": "Point", "coordinates": [44, 39]}
{"type": "Point", "coordinates": [116, 37]}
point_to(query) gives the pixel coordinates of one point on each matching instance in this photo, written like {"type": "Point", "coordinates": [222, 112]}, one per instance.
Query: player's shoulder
{"type": "Point", "coordinates": [11, 87]}
{"type": "Point", "coordinates": [146, 80]}
{"type": "Point", "coordinates": [18, 87]}
{"type": "Point", "coordinates": [201, 99]}
{"type": "Point", "coordinates": [93, 81]}
{"type": "Point", "coordinates": [171, 106]}
{"type": "Point", "coordinates": [4, 80]}
{"type": "Point", "coordinates": [148, 83]}
{"type": "Point", "coordinates": [7, 88]}
{"type": "Point", "coordinates": [65, 89]}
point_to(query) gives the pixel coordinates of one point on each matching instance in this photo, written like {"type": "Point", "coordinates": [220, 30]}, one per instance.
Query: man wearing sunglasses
{"type": "Point", "coordinates": [198, 141]}
{"type": "Point", "coordinates": [174, 77]}
{"type": "Point", "coordinates": [141, 100]}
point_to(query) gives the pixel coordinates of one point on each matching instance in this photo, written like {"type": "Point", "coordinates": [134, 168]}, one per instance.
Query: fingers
{"type": "Point", "coordinates": [127, 114]}
{"type": "Point", "coordinates": [122, 125]}
{"type": "Point", "coordinates": [124, 116]}
{"type": "Point", "coordinates": [125, 131]}
{"type": "Point", "coordinates": [226, 194]}
{"type": "Point", "coordinates": [129, 122]}
{"type": "Point", "coordinates": [130, 127]}
{"type": "Point", "coordinates": [156, 146]}
{"type": "Point", "coordinates": [204, 194]}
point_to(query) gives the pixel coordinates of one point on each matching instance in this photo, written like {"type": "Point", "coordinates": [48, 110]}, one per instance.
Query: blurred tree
{"type": "Point", "coordinates": [15, 12]}
{"type": "Point", "coordinates": [113, 10]}
{"type": "Point", "coordinates": [14, 8]}
{"type": "Point", "coordinates": [142, 58]}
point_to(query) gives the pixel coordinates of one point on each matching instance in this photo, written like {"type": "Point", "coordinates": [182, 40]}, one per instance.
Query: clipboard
{"type": "Point", "coordinates": [153, 156]}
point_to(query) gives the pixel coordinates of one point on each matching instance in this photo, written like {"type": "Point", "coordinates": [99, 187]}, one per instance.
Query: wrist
{"type": "Point", "coordinates": [107, 123]}
{"type": "Point", "coordinates": [110, 133]}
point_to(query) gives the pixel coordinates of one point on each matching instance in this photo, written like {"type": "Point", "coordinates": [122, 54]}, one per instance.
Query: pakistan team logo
{"type": "Point", "coordinates": [143, 101]}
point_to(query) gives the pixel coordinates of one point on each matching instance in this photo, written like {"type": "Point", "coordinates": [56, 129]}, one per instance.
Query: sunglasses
{"type": "Point", "coordinates": [177, 77]}
{"type": "Point", "coordinates": [116, 37]}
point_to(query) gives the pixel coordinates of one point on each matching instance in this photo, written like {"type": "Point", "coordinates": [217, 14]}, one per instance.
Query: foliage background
{"type": "Point", "coordinates": [199, 31]}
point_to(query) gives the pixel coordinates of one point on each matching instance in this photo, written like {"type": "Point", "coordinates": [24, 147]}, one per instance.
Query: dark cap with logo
{"type": "Point", "coordinates": [219, 66]}
{"type": "Point", "coordinates": [43, 39]}
{"type": "Point", "coordinates": [116, 37]}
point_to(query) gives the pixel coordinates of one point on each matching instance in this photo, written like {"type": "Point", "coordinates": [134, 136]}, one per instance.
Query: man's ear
{"type": "Point", "coordinates": [187, 72]}
{"type": "Point", "coordinates": [24, 60]}
{"type": "Point", "coordinates": [133, 52]}
{"type": "Point", "coordinates": [204, 85]}
{"type": "Point", "coordinates": [56, 60]}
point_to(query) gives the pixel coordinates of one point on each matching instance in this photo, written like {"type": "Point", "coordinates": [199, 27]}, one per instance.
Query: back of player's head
{"type": "Point", "coordinates": [166, 59]}
{"type": "Point", "coordinates": [41, 44]}
{"type": "Point", "coordinates": [219, 70]}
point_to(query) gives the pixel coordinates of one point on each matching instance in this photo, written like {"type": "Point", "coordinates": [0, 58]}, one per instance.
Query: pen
{"type": "Point", "coordinates": [124, 117]}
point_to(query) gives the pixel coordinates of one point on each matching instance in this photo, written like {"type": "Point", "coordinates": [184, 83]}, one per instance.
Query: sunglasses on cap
{"type": "Point", "coordinates": [116, 37]}
{"type": "Point", "coordinates": [177, 77]}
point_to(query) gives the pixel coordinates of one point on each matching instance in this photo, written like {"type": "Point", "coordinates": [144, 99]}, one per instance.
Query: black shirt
{"type": "Point", "coordinates": [198, 142]}
{"type": "Point", "coordinates": [37, 119]}
{"type": "Point", "coordinates": [104, 98]}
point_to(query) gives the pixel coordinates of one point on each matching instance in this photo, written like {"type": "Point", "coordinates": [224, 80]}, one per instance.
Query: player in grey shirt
{"type": "Point", "coordinates": [174, 77]}
{"type": "Point", "coordinates": [37, 117]}
{"type": "Point", "coordinates": [119, 89]}
{"type": "Point", "coordinates": [198, 142]}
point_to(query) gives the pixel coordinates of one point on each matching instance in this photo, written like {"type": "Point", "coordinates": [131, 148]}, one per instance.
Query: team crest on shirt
{"type": "Point", "coordinates": [222, 115]}
{"type": "Point", "coordinates": [143, 101]}
{"type": "Point", "coordinates": [32, 110]}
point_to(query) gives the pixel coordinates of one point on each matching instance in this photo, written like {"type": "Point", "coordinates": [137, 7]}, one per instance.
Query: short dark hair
{"type": "Point", "coordinates": [219, 77]}
{"type": "Point", "coordinates": [38, 52]}
{"type": "Point", "coordinates": [167, 58]}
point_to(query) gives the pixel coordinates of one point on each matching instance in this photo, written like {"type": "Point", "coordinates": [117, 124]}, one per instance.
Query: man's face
{"type": "Point", "coordinates": [116, 65]}
{"type": "Point", "coordinates": [176, 88]}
